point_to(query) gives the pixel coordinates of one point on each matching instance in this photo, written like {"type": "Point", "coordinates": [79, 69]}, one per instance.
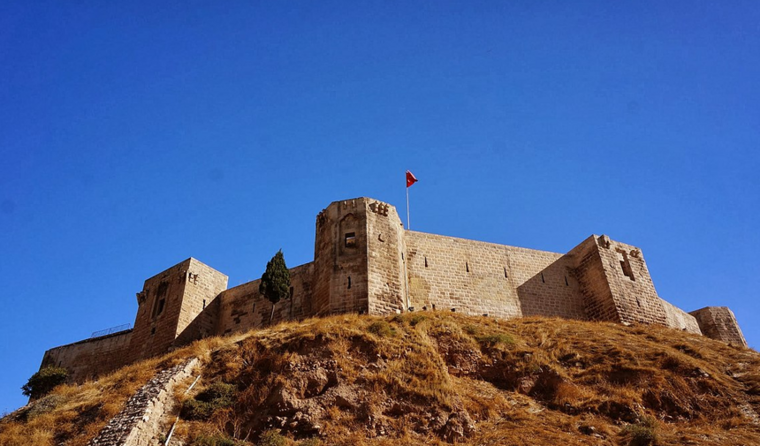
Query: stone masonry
{"type": "Point", "coordinates": [719, 323]}
{"type": "Point", "coordinates": [366, 262]}
{"type": "Point", "coordinates": [138, 424]}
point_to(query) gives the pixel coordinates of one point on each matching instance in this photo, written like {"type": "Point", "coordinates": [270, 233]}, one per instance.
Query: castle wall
{"type": "Point", "coordinates": [364, 261]}
{"type": "Point", "coordinates": [679, 319]}
{"type": "Point", "coordinates": [720, 323]}
{"type": "Point", "coordinates": [385, 263]}
{"type": "Point", "coordinates": [242, 308]}
{"type": "Point", "coordinates": [91, 357]}
{"type": "Point", "coordinates": [552, 290]}
{"type": "Point", "coordinates": [485, 278]}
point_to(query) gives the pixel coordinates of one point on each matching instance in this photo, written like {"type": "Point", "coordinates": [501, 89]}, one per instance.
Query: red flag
{"type": "Point", "coordinates": [410, 179]}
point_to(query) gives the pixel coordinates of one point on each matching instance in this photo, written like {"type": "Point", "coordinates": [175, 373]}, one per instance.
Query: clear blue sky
{"type": "Point", "coordinates": [136, 134]}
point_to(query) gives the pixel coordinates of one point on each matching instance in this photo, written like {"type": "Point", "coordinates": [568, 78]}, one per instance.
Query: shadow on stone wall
{"type": "Point", "coordinates": [552, 292]}
{"type": "Point", "coordinates": [204, 325]}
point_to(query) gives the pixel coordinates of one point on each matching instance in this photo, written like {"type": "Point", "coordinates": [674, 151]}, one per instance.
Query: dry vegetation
{"type": "Point", "coordinates": [437, 378]}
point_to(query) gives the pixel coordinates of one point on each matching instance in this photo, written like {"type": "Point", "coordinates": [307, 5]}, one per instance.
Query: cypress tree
{"type": "Point", "coordinates": [275, 282]}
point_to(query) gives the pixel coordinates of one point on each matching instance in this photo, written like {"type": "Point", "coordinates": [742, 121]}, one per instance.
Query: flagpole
{"type": "Point", "coordinates": [408, 225]}
{"type": "Point", "coordinates": [403, 260]}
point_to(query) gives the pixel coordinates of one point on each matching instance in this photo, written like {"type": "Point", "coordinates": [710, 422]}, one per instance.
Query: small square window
{"type": "Point", "coordinates": [350, 239]}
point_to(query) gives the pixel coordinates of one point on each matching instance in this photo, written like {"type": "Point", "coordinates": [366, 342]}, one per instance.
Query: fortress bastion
{"type": "Point", "coordinates": [366, 262]}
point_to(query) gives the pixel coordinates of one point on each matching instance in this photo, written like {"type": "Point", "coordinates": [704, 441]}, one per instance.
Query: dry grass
{"type": "Point", "coordinates": [73, 414]}
{"type": "Point", "coordinates": [435, 378]}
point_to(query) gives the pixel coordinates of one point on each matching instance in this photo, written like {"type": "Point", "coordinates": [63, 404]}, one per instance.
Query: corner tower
{"type": "Point", "coordinates": [615, 281]}
{"type": "Point", "coordinates": [169, 307]}
{"type": "Point", "coordinates": [358, 264]}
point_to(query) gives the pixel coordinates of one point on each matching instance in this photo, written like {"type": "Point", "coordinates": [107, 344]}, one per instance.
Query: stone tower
{"type": "Point", "coordinates": [358, 261]}
{"type": "Point", "coordinates": [169, 306]}
{"type": "Point", "coordinates": [615, 281]}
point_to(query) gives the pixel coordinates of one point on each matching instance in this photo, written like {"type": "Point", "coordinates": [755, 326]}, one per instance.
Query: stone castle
{"type": "Point", "coordinates": [366, 262]}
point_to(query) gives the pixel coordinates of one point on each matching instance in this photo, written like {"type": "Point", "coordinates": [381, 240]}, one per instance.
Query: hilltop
{"type": "Point", "coordinates": [433, 378]}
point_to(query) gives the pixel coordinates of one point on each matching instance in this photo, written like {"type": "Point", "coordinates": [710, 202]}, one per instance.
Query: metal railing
{"type": "Point", "coordinates": [108, 331]}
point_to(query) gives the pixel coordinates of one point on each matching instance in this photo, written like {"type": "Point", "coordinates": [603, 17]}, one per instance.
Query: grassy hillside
{"type": "Point", "coordinates": [435, 378]}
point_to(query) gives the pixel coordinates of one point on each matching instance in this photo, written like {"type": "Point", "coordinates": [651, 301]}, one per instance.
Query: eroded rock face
{"type": "Point", "coordinates": [312, 389]}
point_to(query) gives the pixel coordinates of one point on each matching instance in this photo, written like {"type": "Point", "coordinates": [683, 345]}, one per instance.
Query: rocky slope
{"type": "Point", "coordinates": [432, 378]}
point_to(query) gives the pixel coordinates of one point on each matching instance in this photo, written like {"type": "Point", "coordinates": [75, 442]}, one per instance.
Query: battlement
{"type": "Point", "coordinates": [365, 262]}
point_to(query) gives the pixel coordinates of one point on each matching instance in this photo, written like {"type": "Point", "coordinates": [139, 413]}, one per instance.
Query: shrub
{"type": "Point", "coordinates": [416, 319]}
{"type": "Point", "coordinates": [213, 440]}
{"type": "Point", "coordinates": [496, 338]}
{"type": "Point", "coordinates": [196, 410]}
{"type": "Point", "coordinates": [217, 396]}
{"type": "Point", "coordinates": [382, 328]}
{"type": "Point", "coordinates": [42, 382]}
{"type": "Point", "coordinates": [272, 438]}
{"type": "Point", "coordinates": [219, 393]}
{"type": "Point", "coordinates": [642, 433]}
{"type": "Point", "coordinates": [471, 329]}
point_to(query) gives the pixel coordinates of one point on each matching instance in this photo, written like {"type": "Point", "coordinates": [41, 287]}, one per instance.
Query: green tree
{"type": "Point", "coordinates": [275, 282]}
{"type": "Point", "coordinates": [44, 381]}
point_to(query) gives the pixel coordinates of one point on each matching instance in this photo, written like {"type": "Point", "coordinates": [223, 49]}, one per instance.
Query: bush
{"type": "Point", "coordinates": [382, 328]}
{"type": "Point", "coordinates": [416, 319]}
{"type": "Point", "coordinates": [272, 438]}
{"type": "Point", "coordinates": [471, 330]}
{"type": "Point", "coordinates": [213, 440]}
{"type": "Point", "coordinates": [42, 382]}
{"type": "Point", "coordinates": [495, 339]}
{"type": "Point", "coordinates": [642, 433]}
{"type": "Point", "coordinates": [218, 393]}
{"type": "Point", "coordinates": [196, 410]}
{"type": "Point", "coordinates": [217, 396]}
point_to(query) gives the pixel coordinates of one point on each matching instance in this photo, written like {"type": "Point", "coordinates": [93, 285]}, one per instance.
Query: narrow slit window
{"type": "Point", "coordinates": [160, 299]}
{"type": "Point", "coordinates": [204, 304]}
{"type": "Point", "coordinates": [349, 282]}
{"type": "Point", "coordinates": [625, 264]}
{"type": "Point", "coordinates": [542, 278]}
{"type": "Point", "coordinates": [426, 265]}
{"type": "Point", "coordinates": [505, 273]}
{"type": "Point", "coordinates": [467, 266]}
{"type": "Point", "coordinates": [159, 308]}
{"type": "Point", "coordinates": [566, 284]}
{"type": "Point", "coordinates": [350, 239]}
